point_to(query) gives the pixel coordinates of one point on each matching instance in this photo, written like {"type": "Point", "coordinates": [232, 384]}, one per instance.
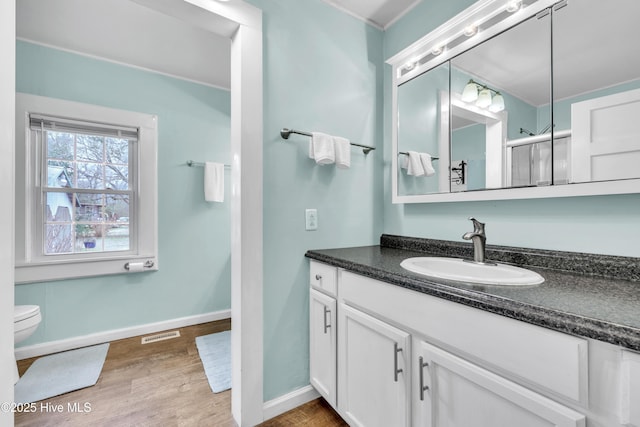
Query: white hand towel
{"type": "Point", "coordinates": [414, 166]}
{"type": "Point", "coordinates": [343, 152]}
{"type": "Point", "coordinates": [425, 159]}
{"type": "Point", "coordinates": [214, 182]}
{"type": "Point", "coordinates": [321, 148]}
{"type": "Point", "coordinates": [403, 161]}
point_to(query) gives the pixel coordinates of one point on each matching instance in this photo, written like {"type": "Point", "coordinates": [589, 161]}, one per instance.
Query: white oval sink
{"type": "Point", "coordinates": [460, 270]}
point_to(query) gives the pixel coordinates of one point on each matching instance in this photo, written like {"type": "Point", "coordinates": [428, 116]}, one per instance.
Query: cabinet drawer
{"type": "Point", "coordinates": [548, 360]}
{"type": "Point", "coordinates": [323, 277]}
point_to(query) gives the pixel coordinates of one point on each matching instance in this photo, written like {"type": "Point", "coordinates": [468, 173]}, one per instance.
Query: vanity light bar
{"type": "Point", "coordinates": [468, 31]}
{"type": "Point", "coordinates": [485, 19]}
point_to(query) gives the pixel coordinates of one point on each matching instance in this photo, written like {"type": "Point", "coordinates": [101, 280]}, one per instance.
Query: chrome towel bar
{"type": "Point", "coordinates": [406, 154]}
{"type": "Point", "coordinates": [285, 133]}
{"type": "Point", "coordinates": [192, 164]}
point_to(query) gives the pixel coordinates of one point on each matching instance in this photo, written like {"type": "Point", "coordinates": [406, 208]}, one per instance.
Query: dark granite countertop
{"type": "Point", "coordinates": [592, 296]}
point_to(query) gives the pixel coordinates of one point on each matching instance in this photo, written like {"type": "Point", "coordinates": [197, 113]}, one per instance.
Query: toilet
{"type": "Point", "coordinates": [26, 319]}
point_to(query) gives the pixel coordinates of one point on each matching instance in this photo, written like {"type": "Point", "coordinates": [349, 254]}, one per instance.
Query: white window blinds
{"type": "Point", "coordinates": [58, 124]}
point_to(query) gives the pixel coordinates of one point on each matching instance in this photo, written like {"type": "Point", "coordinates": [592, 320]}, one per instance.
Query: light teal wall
{"type": "Point", "coordinates": [322, 72]}
{"type": "Point", "coordinates": [194, 245]}
{"type": "Point", "coordinates": [597, 224]}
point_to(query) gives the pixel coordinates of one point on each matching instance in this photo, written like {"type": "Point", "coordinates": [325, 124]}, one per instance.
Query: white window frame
{"type": "Point", "coordinates": [31, 265]}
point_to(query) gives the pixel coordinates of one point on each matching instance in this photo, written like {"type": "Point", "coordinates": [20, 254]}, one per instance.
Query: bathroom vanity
{"type": "Point", "coordinates": [392, 347]}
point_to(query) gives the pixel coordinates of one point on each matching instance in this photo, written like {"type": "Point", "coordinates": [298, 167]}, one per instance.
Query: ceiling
{"type": "Point", "coordinates": [379, 13]}
{"type": "Point", "coordinates": [126, 32]}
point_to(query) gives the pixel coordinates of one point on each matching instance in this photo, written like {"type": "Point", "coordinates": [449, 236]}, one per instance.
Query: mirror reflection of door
{"type": "Point", "coordinates": [596, 73]}
{"type": "Point", "coordinates": [477, 141]}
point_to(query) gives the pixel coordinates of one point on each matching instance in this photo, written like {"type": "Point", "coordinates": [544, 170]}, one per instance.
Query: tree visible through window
{"type": "Point", "coordinates": [87, 193]}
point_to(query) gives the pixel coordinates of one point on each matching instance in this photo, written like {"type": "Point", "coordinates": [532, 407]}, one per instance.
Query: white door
{"type": "Point", "coordinates": [605, 142]}
{"type": "Point", "coordinates": [322, 342]}
{"type": "Point", "coordinates": [373, 371]}
{"type": "Point", "coordinates": [457, 393]}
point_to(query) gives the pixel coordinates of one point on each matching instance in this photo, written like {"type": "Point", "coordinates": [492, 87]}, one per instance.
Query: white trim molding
{"type": "Point", "coordinates": [288, 401]}
{"type": "Point", "coordinates": [117, 334]}
{"type": "Point", "coordinates": [7, 184]}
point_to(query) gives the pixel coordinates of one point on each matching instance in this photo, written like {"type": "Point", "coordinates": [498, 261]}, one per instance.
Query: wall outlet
{"type": "Point", "coordinates": [311, 219]}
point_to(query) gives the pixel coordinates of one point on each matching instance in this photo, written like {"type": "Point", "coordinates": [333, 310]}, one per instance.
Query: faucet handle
{"type": "Point", "coordinates": [478, 227]}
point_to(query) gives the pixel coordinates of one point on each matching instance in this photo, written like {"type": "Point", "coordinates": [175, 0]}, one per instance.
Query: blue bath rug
{"type": "Point", "coordinates": [61, 373]}
{"type": "Point", "coordinates": [215, 353]}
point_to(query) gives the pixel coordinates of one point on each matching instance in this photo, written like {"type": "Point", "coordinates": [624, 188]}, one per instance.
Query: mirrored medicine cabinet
{"type": "Point", "coordinates": [519, 99]}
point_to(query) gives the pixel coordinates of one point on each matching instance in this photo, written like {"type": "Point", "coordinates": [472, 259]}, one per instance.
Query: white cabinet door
{"type": "Point", "coordinates": [373, 371]}
{"type": "Point", "coordinates": [630, 409]}
{"type": "Point", "coordinates": [460, 394]}
{"type": "Point", "coordinates": [322, 342]}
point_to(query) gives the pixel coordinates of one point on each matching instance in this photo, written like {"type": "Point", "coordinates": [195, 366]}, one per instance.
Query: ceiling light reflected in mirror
{"type": "Point", "coordinates": [483, 96]}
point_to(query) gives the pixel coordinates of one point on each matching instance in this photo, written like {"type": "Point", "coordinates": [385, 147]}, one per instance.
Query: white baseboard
{"type": "Point", "coordinates": [116, 334]}
{"type": "Point", "coordinates": [287, 402]}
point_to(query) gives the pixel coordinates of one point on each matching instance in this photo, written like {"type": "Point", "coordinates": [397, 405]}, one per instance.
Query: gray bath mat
{"type": "Point", "coordinates": [61, 373]}
{"type": "Point", "coordinates": [215, 353]}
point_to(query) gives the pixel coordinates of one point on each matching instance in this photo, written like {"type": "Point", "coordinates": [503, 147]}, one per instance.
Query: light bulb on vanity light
{"type": "Point", "coordinates": [437, 50]}
{"type": "Point", "coordinates": [413, 63]}
{"type": "Point", "coordinates": [514, 6]}
{"type": "Point", "coordinates": [484, 98]}
{"type": "Point", "coordinates": [470, 92]}
{"type": "Point", "coordinates": [497, 104]}
{"type": "Point", "coordinates": [470, 30]}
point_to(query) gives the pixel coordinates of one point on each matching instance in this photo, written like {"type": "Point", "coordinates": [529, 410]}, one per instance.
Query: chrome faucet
{"type": "Point", "coordinates": [479, 239]}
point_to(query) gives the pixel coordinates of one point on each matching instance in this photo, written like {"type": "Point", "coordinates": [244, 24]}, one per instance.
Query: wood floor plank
{"type": "Point", "coordinates": [316, 413]}
{"type": "Point", "coordinates": [159, 384]}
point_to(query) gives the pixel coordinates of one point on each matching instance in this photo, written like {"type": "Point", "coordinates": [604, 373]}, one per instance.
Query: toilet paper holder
{"type": "Point", "coordinates": [147, 264]}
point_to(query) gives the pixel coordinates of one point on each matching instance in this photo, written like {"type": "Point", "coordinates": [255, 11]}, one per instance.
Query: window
{"type": "Point", "coordinates": [86, 187]}
{"type": "Point", "coordinates": [86, 204]}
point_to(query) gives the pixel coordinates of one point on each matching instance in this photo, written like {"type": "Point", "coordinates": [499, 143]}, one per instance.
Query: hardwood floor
{"type": "Point", "coordinates": [158, 384]}
{"type": "Point", "coordinates": [316, 413]}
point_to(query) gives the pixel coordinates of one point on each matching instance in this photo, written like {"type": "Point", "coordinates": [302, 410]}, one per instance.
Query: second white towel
{"type": "Point", "coordinates": [343, 152]}
{"type": "Point", "coordinates": [425, 159]}
{"type": "Point", "coordinates": [414, 165]}
{"type": "Point", "coordinates": [214, 182]}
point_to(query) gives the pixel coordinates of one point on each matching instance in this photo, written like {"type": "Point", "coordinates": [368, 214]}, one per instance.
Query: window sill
{"type": "Point", "coordinates": [50, 271]}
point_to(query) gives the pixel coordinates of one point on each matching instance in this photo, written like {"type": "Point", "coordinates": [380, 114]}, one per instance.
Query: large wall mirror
{"type": "Point", "coordinates": [519, 99]}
